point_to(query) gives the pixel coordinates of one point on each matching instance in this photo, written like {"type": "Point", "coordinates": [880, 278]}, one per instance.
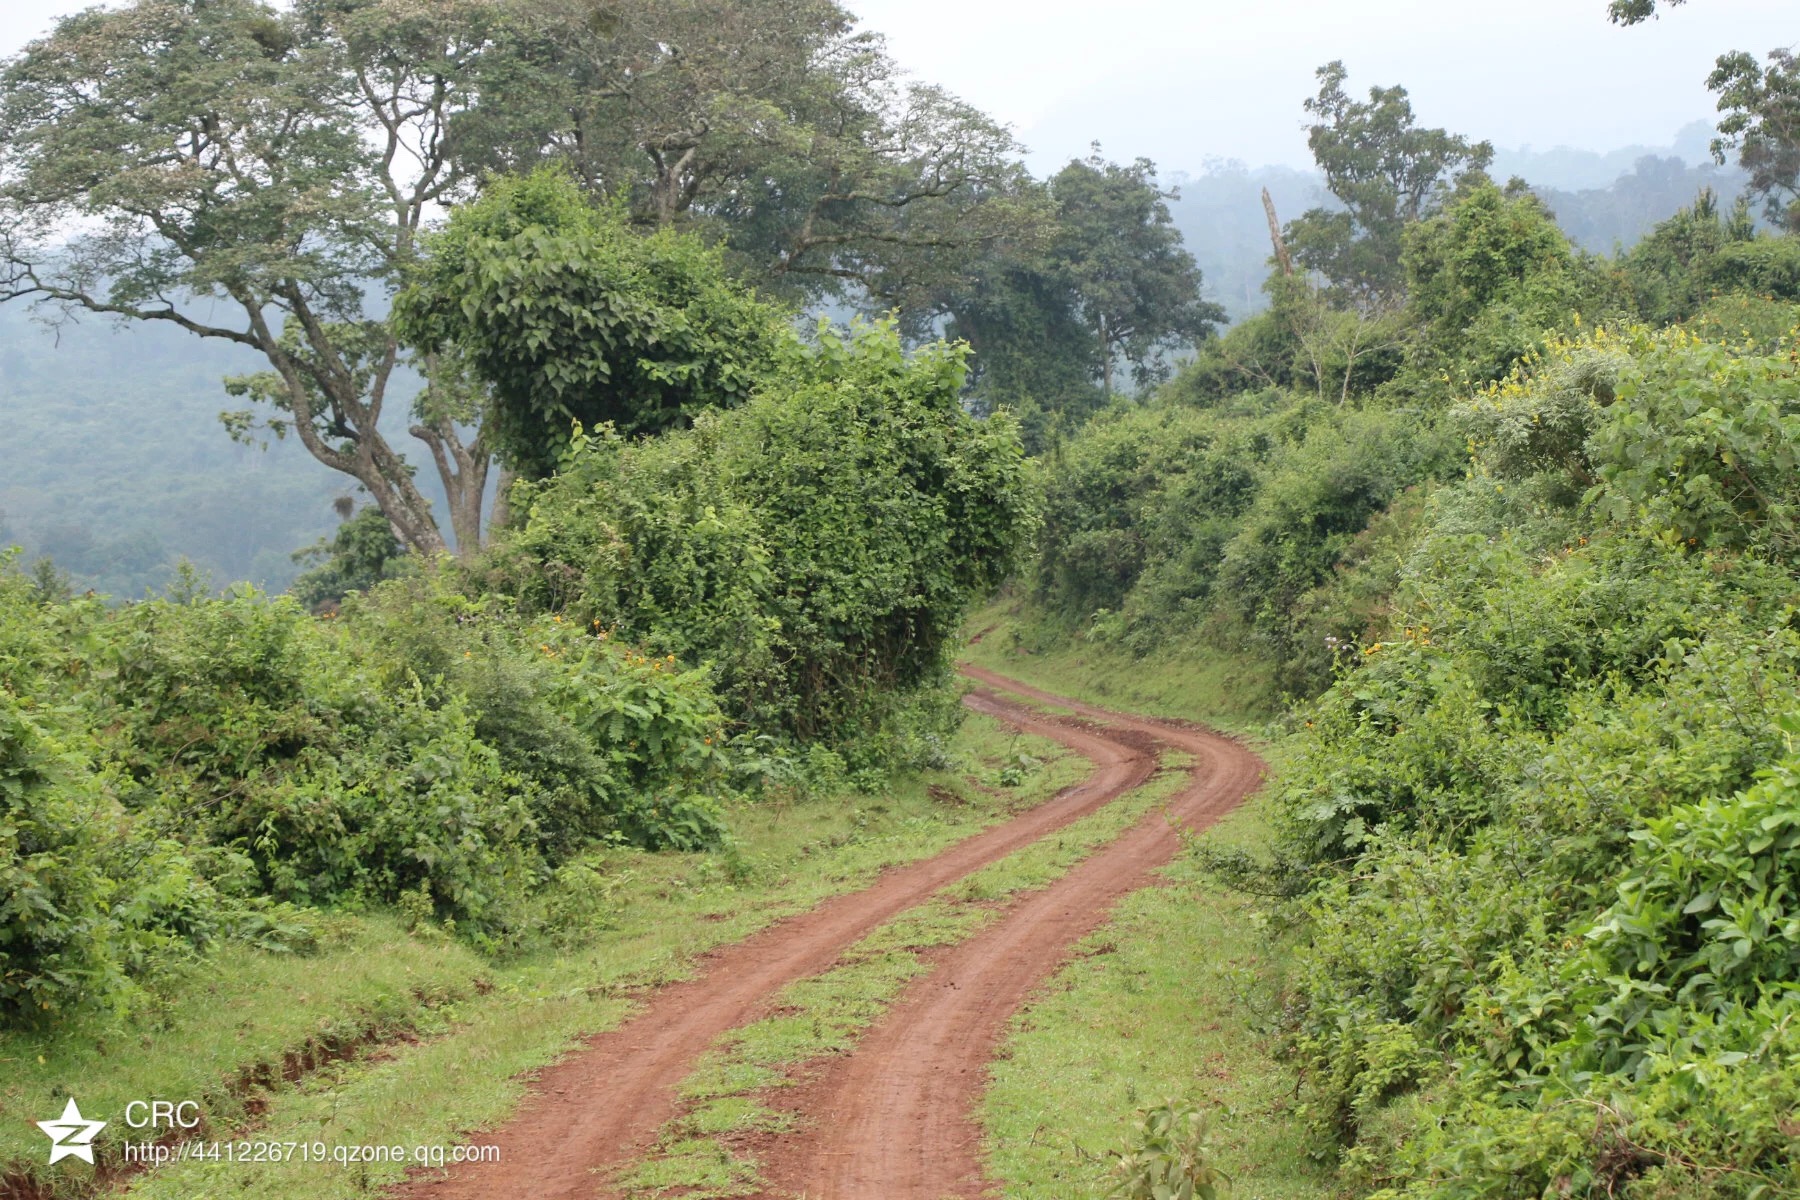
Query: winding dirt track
{"type": "Point", "coordinates": [893, 1120]}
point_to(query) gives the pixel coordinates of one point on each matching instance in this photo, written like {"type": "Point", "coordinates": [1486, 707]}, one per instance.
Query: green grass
{"type": "Point", "coordinates": [701, 1154]}
{"type": "Point", "coordinates": [1198, 682]}
{"type": "Point", "coordinates": [443, 1035]}
{"type": "Point", "coordinates": [1173, 999]}
{"type": "Point", "coordinates": [226, 1031]}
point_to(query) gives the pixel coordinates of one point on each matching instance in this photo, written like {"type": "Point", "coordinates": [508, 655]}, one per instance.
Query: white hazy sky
{"type": "Point", "coordinates": [1182, 81]}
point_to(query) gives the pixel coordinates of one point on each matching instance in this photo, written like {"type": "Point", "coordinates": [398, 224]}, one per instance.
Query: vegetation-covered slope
{"type": "Point", "coordinates": [1525, 564]}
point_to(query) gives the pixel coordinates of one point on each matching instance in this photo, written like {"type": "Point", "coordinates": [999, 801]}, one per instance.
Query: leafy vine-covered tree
{"type": "Point", "coordinates": [1387, 172]}
{"type": "Point", "coordinates": [570, 316]}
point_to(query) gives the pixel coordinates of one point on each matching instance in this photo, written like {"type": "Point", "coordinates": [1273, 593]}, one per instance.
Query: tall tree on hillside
{"type": "Point", "coordinates": [1762, 123]}
{"type": "Point", "coordinates": [1387, 172]}
{"type": "Point", "coordinates": [260, 174]}
{"type": "Point", "coordinates": [1122, 257]}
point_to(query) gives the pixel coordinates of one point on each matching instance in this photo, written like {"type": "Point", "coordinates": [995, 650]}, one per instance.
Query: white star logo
{"type": "Point", "coordinates": [71, 1135]}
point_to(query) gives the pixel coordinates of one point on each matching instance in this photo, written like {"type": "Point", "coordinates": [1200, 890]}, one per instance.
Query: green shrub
{"type": "Point", "coordinates": [1314, 502]}
{"type": "Point", "coordinates": [56, 930]}
{"type": "Point", "coordinates": [1703, 444]}
{"type": "Point", "coordinates": [1545, 954]}
{"type": "Point", "coordinates": [1489, 280]}
{"type": "Point", "coordinates": [362, 553]}
{"type": "Point", "coordinates": [1145, 494]}
{"type": "Point", "coordinates": [815, 549]}
{"type": "Point", "coordinates": [659, 732]}
{"type": "Point", "coordinates": [1167, 1160]}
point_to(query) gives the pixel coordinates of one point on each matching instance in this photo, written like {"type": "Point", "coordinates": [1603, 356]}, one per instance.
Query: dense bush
{"type": "Point", "coordinates": [1700, 254]}
{"type": "Point", "coordinates": [1163, 518]}
{"type": "Point", "coordinates": [1546, 816]}
{"type": "Point", "coordinates": [1154, 490]}
{"type": "Point", "coordinates": [816, 548]}
{"type": "Point", "coordinates": [571, 315]}
{"type": "Point", "coordinates": [174, 771]}
{"type": "Point", "coordinates": [54, 942]}
{"type": "Point", "coordinates": [1488, 279]}
{"type": "Point", "coordinates": [1314, 502]}
{"type": "Point", "coordinates": [90, 901]}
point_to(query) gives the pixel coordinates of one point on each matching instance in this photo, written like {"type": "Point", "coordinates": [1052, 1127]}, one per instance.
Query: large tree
{"type": "Point", "coordinates": [780, 129]}
{"type": "Point", "coordinates": [252, 175]}
{"type": "Point", "coordinates": [1122, 258]}
{"type": "Point", "coordinates": [1387, 172]}
{"type": "Point", "coordinates": [260, 174]}
{"type": "Point", "coordinates": [1762, 123]}
{"type": "Point", "coordinates": [1034, 353]}
{"type": "Point", "coordinates": [1052, 319]}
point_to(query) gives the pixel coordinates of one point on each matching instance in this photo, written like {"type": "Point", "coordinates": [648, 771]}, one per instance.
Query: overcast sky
{"type": "Point", "coordinates": [1182, 81]}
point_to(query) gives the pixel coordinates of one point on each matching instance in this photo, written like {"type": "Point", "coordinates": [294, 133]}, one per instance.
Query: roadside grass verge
{"type": "Point", "coordinates": [1214, 685]}
{"type": "Point", "coordinates": [1176, 998]}
{"type": "Point", "coordinates": [397, 1037]}
{"type": "Point", "coordinates": [708, 1152]}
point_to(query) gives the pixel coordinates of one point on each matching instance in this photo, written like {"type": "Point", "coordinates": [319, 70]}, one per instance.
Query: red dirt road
{"type": "Point", "coordinates": [894, 1119]}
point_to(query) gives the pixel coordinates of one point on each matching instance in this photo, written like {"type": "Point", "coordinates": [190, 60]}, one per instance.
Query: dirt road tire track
{"type": "Point", "coordinates": [600, 1106]}
{"type": "Point", "coordinates": [896, 1118]}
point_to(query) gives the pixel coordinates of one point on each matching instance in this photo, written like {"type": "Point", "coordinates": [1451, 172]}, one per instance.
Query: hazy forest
{"type": "Point", "coordinates": [619, 599]}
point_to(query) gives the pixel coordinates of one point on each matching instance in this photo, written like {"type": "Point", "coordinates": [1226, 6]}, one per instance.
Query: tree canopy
{"type": "Point", "coordinates": [1112, 287]}
{"type": "Point", "coordinates": [1386, 171]}
{"type": "Point", "coordinates": [1635, 12]}
{"type": "Point", "coordinates": [1762, 123]}
{"type": "Point", "coordinates": [1135, 285]}
{"type": "Point", "coordinates": [569, 315]}
{"type": "Point", "coordinates": [252, 174]}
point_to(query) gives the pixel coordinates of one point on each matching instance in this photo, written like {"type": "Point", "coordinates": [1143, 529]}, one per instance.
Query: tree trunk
{"type": "Point", "coordinates": [464, 472]}
{"type": "Point", "coordinates": [501, 517]}
{"type": "Point", "coordinates": [1275, 238]}
{"type": "Point", "coordinates": [1106, 358]}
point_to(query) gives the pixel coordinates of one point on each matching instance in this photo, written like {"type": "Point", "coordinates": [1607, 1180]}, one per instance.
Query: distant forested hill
{"type": "Point", "coordinates": [1601, 200]}
{"type": "Point", "coordinates": [113, 461]}
{"type": "Point", "coordinates": [1602, 219]}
